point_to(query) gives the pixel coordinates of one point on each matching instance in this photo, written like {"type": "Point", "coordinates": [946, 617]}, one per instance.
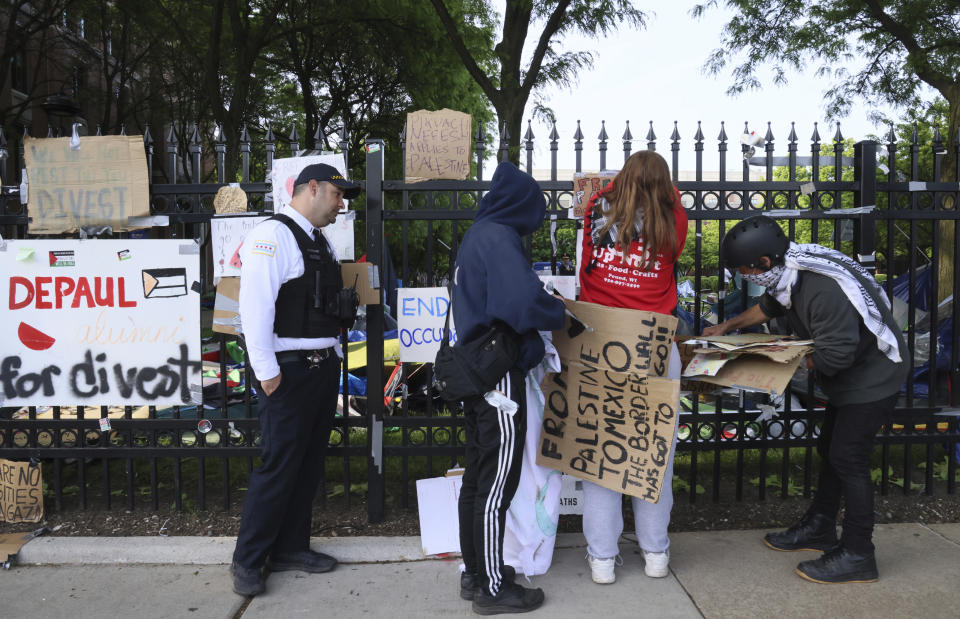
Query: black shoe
{"type": "Point", "coordinates": [813, 532]}
{"type": "Point", "coordinates": [512, 598]}
{"type": "Point", "coordinates": [247, 582]}
{"type": "Point", "coordinates": [470, 582]}
{"type": "Point", "coordinates": [302, 561]}
{"type": "Point", "coordinates": [840, 565]}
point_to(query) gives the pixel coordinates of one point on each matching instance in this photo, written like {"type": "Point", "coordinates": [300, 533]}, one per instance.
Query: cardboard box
{"type": "Point", "coordinates": [366, 277]}
{"type": "Point", "coordinates": [754, 362]}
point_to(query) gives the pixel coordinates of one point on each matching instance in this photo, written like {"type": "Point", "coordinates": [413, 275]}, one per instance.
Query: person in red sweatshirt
{"type": "Point", "coordinates": [634, 231]}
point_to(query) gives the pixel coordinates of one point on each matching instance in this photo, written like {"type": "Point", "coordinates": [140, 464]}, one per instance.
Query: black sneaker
{"type": "Point", "coordinates": [470, 582]}
{"type": "Point", "coordinates": [512, 598]}
{"type": "Point", "coordinates": [813, 532]}
{"type": "Point", "coordinates": [247, 581]}
{"type": "Point", "coordinates": [840, 565]}
{"type": "Point", "coordinates": [309, 561]}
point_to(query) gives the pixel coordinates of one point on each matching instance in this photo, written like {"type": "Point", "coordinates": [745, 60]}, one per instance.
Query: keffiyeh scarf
{"type": "Point", "coordinates": [844, 271]}
{"type": "Point", "coordinates": [599, 218]}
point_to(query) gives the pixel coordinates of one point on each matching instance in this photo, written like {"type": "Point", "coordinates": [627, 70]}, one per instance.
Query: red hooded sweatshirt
{"type": "Point", "coordinates": [606, 280]}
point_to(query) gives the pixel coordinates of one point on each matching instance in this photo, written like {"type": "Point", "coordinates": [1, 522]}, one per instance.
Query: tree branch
{"type": "Point", "coordinates": [552, 26]}
{"type": "Point", "coordinates": [461, 48]}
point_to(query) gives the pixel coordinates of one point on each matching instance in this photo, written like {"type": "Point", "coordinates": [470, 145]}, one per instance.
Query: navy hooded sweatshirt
{"type": "Point", "coordinates": [493, 279]}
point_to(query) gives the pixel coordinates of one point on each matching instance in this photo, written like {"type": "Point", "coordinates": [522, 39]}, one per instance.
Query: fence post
{"type": "Point", "coordinates": [375, 462]}
{"type": "Point", "coordinates": [865, 195]}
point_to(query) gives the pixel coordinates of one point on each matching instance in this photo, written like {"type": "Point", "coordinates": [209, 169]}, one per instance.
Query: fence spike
{"type": "Point", "coordinates": [554, 136]}
{"type": "Point", "coordinates": [172, 135]}
{"type": "Point", "coordinates": [147, 138]}
{"type": "Point", "coordinates": [698, 136]}
{"type": "Point", "coordinates": [316, 136]}
{"type": "Point", "coordinates": [578, 136]}
{"type": "Point", "coordinates": [769, 136]}
{"type": "Point", "coordinates": [937, 140]}
{"type": "Point", "coordinates": [603, 131]}
{"type": "Point", "coordinates": [49, 131]}
{"type": "Point", "coordinates": [269, 137]}
{"type": "Point", "coordinates": [195, 138]}
{"type": "Point", "coordinates": [651, 136]}
{"type": "Point", "coordinates": [627, 136]}
{"type": "Point", "coordinates": [99, 131]}
{"type": "Point", "coordinates": [815, 138]}
{"type": "Point", "coordinates": [245, 135]}
{"type": "Point", "coordinates": [913, 137]}
{"type": "Point", "coordinates": [838, 137]}
{"type": "Point", "coordinates": [528, 136]}
{"type": "Point", "coordinates": [792, 138]}
{"type": "Point", "coordinates": [505, 134]}
{"type": "Point", "coordinates": [891, 136]}
{"type": "Point", "coordinates": [722, 138]}
{"type": "Point", "coordinates": [26, 131]}
{"type": "Point", "coordinates": [123, 129]}
{"type": "Point", "coordinates": [218, 134]}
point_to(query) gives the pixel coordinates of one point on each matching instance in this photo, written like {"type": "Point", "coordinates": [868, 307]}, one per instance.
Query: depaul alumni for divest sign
{"type": "Point", "coordinates": [99, 322]}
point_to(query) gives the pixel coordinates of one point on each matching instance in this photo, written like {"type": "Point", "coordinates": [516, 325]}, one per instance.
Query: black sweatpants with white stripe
{"type": "Point", "coordinates": [494, 455]}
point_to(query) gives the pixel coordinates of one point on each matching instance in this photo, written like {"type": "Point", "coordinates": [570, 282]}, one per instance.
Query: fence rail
{"type": "Point", "coordinates": [897, 226]}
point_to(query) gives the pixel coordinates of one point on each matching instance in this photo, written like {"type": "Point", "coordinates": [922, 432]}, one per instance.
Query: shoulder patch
{"type": "Point", "coordinates": [264, 248]}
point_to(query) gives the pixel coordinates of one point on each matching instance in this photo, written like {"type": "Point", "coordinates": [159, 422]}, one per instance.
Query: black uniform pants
{"type": "Point", "coordinates": [494, 455]}
{"type": "Point", "coordinates": [295, 422]}
{"type": "Point", "coordinates": [845, 444]}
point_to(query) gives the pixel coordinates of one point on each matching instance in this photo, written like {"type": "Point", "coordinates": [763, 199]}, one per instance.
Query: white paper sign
{"type": "Point", "coordinates": [100, 322]}
{"type": "Point", "coordinates": [284, 175]}
{"type": "Point", "coordinates": [439, 520]}
{"type": "Point", "coordinates": [421, 313]}
{"type": "Point", "coordinates": [226, 235]}
{"type": "Point", "coordinates": [566, 285]}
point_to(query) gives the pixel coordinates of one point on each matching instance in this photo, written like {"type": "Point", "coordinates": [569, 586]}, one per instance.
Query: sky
{"type": "Point", "coordinates": [656, 75]}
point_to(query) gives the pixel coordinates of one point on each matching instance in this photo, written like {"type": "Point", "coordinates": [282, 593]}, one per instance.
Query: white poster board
{"type": "Point", "coordinates": [421, 313]}
{"type": "Point", "coordinates": [283, 175]}
{"type": "Point", "coordinates": [100, 322]}
{"type": "Point", "coordinates": [226, 236]}
{"type": "Point", "coordinates": [439, 520]}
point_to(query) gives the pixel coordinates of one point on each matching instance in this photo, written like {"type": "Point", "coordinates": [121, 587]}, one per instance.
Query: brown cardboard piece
{"type": "Point", "coordinates": [585, 184]}
{"type": "Point", "coordinates": [226, 306]}
{"type": "Point", "coordinates": [757, 363]}
{"type": "Point", "coordinates": [103, 183]}
{"type": "Point", "coordinates": [364, 275]}
{"type": "Point", "coordinates": [437, 145]}
{"type": "Point", "coordinates": [21, 492]}
{"type": "Point", "coordinates": [610, 415]}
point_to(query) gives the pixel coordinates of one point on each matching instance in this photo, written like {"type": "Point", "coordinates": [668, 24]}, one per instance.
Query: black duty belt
{"type": "Point", "coordinates": [312, 357]}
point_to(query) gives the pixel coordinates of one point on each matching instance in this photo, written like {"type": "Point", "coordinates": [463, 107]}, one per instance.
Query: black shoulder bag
{"type": "Point", "coordinates": [470, 369]}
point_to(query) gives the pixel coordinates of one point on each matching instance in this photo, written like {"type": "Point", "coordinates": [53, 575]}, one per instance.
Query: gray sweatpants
{"type": "Point", "coordinates": [603, 508]}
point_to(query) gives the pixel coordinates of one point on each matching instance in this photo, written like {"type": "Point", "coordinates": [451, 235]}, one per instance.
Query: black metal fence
{"type": "Point", "coordinates": [903, 222]}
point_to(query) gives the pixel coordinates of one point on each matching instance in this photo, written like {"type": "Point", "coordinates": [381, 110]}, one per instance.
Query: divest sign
{"type": "Point", "coordinates": [421, 313]}
{"type": "Point", "coordinates": [102, 322]}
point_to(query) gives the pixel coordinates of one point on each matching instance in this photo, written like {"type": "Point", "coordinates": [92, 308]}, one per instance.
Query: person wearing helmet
{"type": "Point", "coordinates": [860, 360]}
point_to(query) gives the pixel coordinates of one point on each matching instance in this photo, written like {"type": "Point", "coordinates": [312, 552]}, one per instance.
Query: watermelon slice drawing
{"type": "Point", "coordinates": [34, 339]}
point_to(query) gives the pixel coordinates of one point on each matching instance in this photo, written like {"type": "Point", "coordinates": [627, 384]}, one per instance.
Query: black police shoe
{"type": "Point", "coordinates": [813, 532]}
{"type": "Point", "coordinates": [302, 561]}
{"type": "Point", "coordinates": [470, 582]}
{"type": "Point", "coordinates": [512, 598]}
{"type": "Point", "coordinates": [247, 582]}
{"type": "Point", "coordinates": [840, 565]}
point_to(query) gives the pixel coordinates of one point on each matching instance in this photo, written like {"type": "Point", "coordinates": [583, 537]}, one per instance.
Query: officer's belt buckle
{"type": "Point", "coordinates": [317, 356]}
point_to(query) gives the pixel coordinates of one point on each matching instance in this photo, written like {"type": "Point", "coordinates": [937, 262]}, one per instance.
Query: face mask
{"type": "Point", "coordinates": [767, 279]}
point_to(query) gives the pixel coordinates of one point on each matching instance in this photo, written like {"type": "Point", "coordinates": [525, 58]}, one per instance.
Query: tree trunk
{"type": "Point", "coordinates": [946, 258]}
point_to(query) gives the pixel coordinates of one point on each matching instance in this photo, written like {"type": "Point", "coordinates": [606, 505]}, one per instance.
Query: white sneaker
{"type": "Point", "coordinates": [657, 563]}
{"type": "Point", "coordinates": [601, 570]}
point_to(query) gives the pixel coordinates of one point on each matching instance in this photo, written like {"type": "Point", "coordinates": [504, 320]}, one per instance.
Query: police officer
{"type": "Point", "coordinates": [292, 306]}
{"type": "Point", "coordinates": [860, 360]}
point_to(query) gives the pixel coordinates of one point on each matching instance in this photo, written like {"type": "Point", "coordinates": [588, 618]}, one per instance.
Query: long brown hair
{"type": "Point", "coordinates": [643, 184]}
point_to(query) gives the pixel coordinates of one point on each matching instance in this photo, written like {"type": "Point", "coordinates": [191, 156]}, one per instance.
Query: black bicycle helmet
{"type": "Point", "coordinates": [752, 238]}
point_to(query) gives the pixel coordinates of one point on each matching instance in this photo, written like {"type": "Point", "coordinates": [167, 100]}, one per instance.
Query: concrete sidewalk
{"type": "Point", "coordinates": [713, 574]}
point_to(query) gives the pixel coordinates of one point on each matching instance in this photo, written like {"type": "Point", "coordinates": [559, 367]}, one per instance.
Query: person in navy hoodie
{"type": "Point", "coordinates": [493, 280]}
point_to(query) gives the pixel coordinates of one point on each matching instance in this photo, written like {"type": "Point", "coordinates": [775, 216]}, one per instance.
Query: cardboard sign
{"type": "Point", "coordinates": [585, 184]}
{"type": "Point", "coordinates": [439, 520]}
{"type": "Point", "coordinates": [437, 145]}
{"type": "Point", "coordinates": [106, 322]}
{"type": "Point", "coordinates": [226, 306]}
{"type": "Point", "coordinates": [226, 237]}
{"type": "Point", "coordinates": [751, 361]}
{"type": "Point", "coordinates": [421, 313]}
{"type": "Point", "coordinates": [103, 183]}
{"type": "Point", "coordinates": [610, 414]}
{"type": "Point", "coordinates": [21, 492]}
{"type": "Point", "coordinates": [365, 277]}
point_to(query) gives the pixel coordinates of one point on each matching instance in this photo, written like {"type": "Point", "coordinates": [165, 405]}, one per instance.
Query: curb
{"type": "Point", "coordinates": [156, 550]}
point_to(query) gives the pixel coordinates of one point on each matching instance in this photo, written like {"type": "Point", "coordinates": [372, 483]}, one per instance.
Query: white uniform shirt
{"type": "Point", "coordinates": [270, 257]}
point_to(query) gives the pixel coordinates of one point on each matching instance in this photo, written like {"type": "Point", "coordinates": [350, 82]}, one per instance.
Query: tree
{"type": "Point", "coordinates": [502, 75]}
{"type": "Point", "coordinates": [906, 45]}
